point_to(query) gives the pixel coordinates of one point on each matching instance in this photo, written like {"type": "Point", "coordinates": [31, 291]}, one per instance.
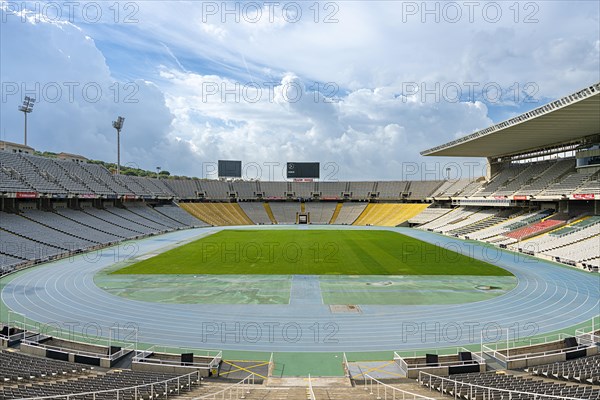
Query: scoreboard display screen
{"type": "Point", "coordinates": [230, 169]}
{"type": "Point", "coordinates": [303, 170]}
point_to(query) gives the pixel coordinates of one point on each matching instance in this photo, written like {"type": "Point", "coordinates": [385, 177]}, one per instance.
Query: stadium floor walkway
{"type": "Point", "coordinates": [305, 290]}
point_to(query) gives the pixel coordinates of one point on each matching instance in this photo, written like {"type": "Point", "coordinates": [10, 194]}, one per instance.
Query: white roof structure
{"type": "Point", "coordinates": [564, 121]}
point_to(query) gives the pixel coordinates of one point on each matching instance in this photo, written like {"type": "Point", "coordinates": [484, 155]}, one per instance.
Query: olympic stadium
{"type": "Point", "coordinates": [131, 286]}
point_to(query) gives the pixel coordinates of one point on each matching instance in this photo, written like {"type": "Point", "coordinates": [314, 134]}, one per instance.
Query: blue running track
{"type": "Point", "coordinates": [547, 298]}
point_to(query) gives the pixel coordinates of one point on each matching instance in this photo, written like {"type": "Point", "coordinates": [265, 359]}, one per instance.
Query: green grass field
{"type": "Point", "coordinates": [311, 252]}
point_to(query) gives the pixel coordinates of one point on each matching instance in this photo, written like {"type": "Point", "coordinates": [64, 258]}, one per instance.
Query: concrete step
{"type": "Point", "coordinates": [298, 390]}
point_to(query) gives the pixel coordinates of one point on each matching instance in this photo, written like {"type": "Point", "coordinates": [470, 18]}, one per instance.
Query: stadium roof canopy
{"type": "Point", "coordinates": [563, 121]}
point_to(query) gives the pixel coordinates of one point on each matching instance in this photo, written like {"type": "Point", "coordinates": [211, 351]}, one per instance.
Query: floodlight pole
{"type": "Point", "coordinates": [118, 125]}
{"type": "Point", "coordinates": [158, 171]}
{"type": "Point", "coordinates": [25, 133]}
{"type": "Point", "coordinates": [118, 152]}
{"type": "Point", "coordinates": [26, 108]}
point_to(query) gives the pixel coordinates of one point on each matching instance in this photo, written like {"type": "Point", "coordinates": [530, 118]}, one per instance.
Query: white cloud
{"type": "Point", "coordinates": [368, 133]}
{"type": "Point", "coordinates": [177, 55]}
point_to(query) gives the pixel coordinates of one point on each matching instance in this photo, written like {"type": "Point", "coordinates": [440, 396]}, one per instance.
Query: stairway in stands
{"type": "Point", "coordinates": [300, 392]}
{"type": "Point", "coordinates": [336, 212]}
{"type": "Point", "coordinates": [270, 213]}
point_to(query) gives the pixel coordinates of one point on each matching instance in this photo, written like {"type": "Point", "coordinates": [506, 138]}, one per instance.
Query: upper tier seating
{"type": "Point", "coordinates": [184, 188]}
{"type": "Point", "coordinates": [216, 190]}
{"type": "Point", "coordinates": [274, 189]}
{"type": "Point", "coordinates": [10, 181]}
{"type": "Point", "coordinates": [553, 171]}
{"type": "Point", "coordinates": [569, 184]}
{"type": "Point", "coordinates": [24, 172]}
{"type": "Point", "coordinates": [418, 190]}
{"type": "Point", "coordinates": [361, 190]}
{"type": "Point", "coordinates": [332, 189]}
{"type": "Point", "coordinates": [79, 173]}
{"type": "Point", "coordinates": [592, 186]}
{"type": "Point", "coordinates": [470, 189]}
{"type": "Point", "coordinates": [390, 190]}
{"type": "Point", "coordinates": [502, 178]}
{"type": "Point", "coordinates": [108, 179]}
{"type": "Point", "coordinates": [511, 186]}
{"type": "Point", "coordinates": [19, 166]}
{"type": "Point", "coordinates": [451, 188]}
{"type": "Point", "coordinates": [245, 190]}
{"type": "Point", "coordinates": [55, 171]}
{"type": "Point", "coordinates": [304, 190]}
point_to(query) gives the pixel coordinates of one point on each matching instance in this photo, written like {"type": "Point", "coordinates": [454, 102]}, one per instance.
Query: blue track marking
{"type": "Point", "coordinates": [547, 298]}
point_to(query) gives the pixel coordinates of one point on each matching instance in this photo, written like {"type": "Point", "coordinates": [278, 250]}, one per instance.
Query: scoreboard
{"type": "Point", "coordinates": [303, 170]}
{"type": "Point", "coordinates": [230, 169]}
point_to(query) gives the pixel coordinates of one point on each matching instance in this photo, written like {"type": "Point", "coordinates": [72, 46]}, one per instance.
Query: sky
{"type": "Point", "coordinates": [361, 87]}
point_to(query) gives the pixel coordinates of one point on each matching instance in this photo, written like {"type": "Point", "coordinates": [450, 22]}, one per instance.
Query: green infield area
{"type": "Point", "coordinates": [311, 252]}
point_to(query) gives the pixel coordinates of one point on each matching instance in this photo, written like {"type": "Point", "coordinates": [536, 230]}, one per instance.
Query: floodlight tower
{"type": "Point", "coordinates": [118, 125]}
{"type": "Point", "coordinates": [158, 172]}
{"type": "Point", "coordinates": [26, 108]}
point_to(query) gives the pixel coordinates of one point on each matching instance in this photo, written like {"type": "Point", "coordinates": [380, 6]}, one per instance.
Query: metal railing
{"type": "Point", "coordinates": [52, 330]}
{"type": "Point", "coordinates": [404, 366]}
{"type": "Point", "coordinates": [454, 388]}
{"type": "Point", "coordinates": [311, 392]}
{"type": "Point", "coordinates": [445, 351]}
{"type": "Point", "coordinates": [215, 356]}
{"type": "Point", "coordinates": [592, 332]}
{"type": "Point", "coordinates": [346, 366]}
{"type": "Point", "coordinates": [87, 353]}
{"type": "Point", "coordinates": [155, 389]}
{"type": "Point", "coordinates": [385, 391]}
{"type": "Point", "coordinates": [238, 390]}
{"type": "Point", "coordinates": [271, 366]}
{"type": "Point", "coordinates": [502, 351]}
